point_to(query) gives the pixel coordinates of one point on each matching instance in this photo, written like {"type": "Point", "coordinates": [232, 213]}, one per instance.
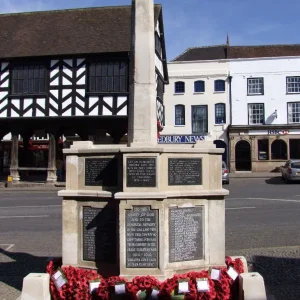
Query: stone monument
{"type": "Point", "coordinates": [142, 208]}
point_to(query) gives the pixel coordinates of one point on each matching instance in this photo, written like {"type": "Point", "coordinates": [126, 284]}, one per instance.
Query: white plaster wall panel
{"type": "Point", "coordinates": [2, 95]}
{"type": "Point", "coordinates": [67, 113]}
{"type": "Point", "coordinates": [79, 112]}
{"type": "Point", "coordinates": [121, 100]}
{"type": "Point", "coordinates": [80, 102]}
{"type": "Point", "coordinates": [66, 81]}
{"type": "Point", "coordinates": [55, 81]}
{"type": "Point", "coordinates": [80, 61]}
{"type": "Point", "coordinates": [66, 103]}
{"type": "Point", "coordinates": [3, 104]}
{"type": "Point", "coordinates": [66, 92]}
{"type": "Point", "coordinates": [80, 71]}
{"type": "Point", "coordinates": [81, 92]}
{"type": "Point", "coordinates": [274, 71]}
{"type": "Point", "coordinates": [159, 65]}
{"type": "Point", "coordinates": [4, 65]}
{"type": "Point", "coordinates": [54, 62]}
{"type": "Point", "coordinates": [106, 112]}
{"type": "Point", "coordinates": [81, 80]}
{"type": "Point", "coordinates": [122, 112]}
{"type": "Point", "coordinates": [68, 62]}
{"type": "Point", "coordinates": [5, 84]}
{"type": "Point", "coordinates": [54, 72]}
{"type": "Point", "coordinates": [207, 71]}
{"type": "Point", "coordinates": [93, 110]}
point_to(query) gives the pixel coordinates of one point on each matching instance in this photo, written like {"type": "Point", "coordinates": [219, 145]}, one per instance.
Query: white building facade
{"type": "Point", "coordinates": [265, 104]}
{"type": "Point", "coordinates": [196, 103]}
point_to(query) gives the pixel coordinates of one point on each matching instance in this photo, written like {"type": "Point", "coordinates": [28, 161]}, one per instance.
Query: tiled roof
{"type": "Point", "coordinates": [73, 31]}
{"type": "Point", "coordinates": [203, 53]}
{"type": "Point", "coordinates": [263, 51]}
{"type": "Point", "coordinates": [232, 52]}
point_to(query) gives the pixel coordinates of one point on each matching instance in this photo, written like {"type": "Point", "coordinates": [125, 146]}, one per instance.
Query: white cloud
{"type": "Point", "coordinates": [14, 6]}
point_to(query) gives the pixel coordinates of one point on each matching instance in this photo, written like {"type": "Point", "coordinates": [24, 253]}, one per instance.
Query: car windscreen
{"type": "Point", "coordinates": [295, 165]}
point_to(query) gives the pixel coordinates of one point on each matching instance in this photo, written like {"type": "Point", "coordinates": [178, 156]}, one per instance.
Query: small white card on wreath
{"type": "Point", "coordinates": [232, 273]}
{"type": "Point", "coordinates": [215, 274]}
{"type": "Point", "coordinates": [183, 286]}
{"type": "Point", "coordinates": [154, 294]}
{"type": "Point", "coordinates": [93, 285]}
{"type": "Point", "coordinates": [120, 288]}
{"type": "Point", "coordinates": [202, 284]}
{"type": "Point", "coordinates": [59, 279]}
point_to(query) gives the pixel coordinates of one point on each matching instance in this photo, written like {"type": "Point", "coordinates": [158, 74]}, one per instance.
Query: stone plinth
{"type": "Point", "coordinates": [144, 211]}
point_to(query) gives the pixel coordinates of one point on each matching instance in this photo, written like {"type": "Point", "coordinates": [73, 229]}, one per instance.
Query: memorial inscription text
{"type": "Point", "coordinates": [184, 171]}
{"type": "Point", "coordinates": [142, 237]}
{"type": "Point", "coordinates": [101, 171]}
{"type": "Point", "coordinates": [185, 234]}
{"type": "Point", "coordinates": [141, 172]}
{"type": "Point", "coordinates": [99, 234]}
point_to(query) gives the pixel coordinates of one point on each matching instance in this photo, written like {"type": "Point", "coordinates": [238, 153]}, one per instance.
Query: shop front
{"type": "Point", "coordinates": [262, 149]}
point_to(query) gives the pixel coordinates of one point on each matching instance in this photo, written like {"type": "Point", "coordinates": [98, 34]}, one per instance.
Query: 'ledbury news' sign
{"type": "Point", "coordinates": [180, 139]}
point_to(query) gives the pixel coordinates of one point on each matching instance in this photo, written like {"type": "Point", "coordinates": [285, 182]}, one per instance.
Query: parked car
{"type": "Point", "coordinates": [225, 173]}
{"type": "Point", "coordinates": [291, 170]}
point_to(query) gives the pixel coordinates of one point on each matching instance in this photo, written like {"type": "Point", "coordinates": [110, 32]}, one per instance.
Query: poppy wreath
{"type": "Point", "coordinates": [159, 128]}
{"type": "Point", "coordinates": [142, 287]}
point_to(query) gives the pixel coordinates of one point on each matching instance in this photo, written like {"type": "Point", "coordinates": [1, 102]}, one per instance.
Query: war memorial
{"type": "Point", "coordinates": [142, 220]}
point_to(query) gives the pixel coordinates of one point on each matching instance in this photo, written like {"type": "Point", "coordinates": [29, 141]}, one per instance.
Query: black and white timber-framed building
{"type": "Point", "coordinates": [66, 73]}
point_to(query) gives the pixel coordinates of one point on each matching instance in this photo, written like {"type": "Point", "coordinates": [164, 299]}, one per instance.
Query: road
{"type": "Point", "coordinates": [262, 223]}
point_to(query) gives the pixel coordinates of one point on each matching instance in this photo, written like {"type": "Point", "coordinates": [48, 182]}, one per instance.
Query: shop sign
{"type": "Point", "coordinates": [180, 139]}
{"type": "Point", "coordinates": [274, 132]}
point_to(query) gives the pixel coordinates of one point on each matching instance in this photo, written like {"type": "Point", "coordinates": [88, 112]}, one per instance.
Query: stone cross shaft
{"type": "Point", "coordinates": [142, 120]}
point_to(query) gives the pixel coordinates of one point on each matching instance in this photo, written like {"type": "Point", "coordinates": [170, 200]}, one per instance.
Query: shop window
{"type": "Point", "coordinates": [279, 150]}
{"type": "Point", "coordinates": [263, 149]}
{"type": "Point", "coordinates": [294, 148]}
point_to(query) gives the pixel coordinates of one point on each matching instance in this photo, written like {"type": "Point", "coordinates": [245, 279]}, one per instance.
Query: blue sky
{"type": "Point", "coordinates": [191, 23]}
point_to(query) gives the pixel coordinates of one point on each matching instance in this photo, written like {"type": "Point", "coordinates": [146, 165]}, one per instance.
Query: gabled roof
{"type": "Point", "coordinates": [233, 52]}
{"type": "Point", "coordinates": [73, 31]}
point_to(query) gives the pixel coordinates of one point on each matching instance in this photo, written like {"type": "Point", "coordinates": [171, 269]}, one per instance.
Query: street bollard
{"type": "Point", "coordinates": [9, 181]}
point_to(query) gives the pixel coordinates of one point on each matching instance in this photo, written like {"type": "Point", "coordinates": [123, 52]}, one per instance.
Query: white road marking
{"type": "Point", "coordinates": [9, 217]}
{"type": "Point", "coordinates": [34, 206]}
{"type": "Point", "coordinates": [9, 246]}
{"type": "Point", "coordinates": [265, 199]}
{"type": "Point", "coordinates": [240, 208]}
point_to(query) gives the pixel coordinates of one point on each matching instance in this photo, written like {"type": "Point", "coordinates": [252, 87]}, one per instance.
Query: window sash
{"type": "Point", "coordinates": [256, 114]}
{"type": "Point", "coordinates": [179, 87]}
{"type": "Point", "coordinates": [219, 85]}
{"type": "Point", "coordinates": [255, 86]}
{"type": "Point", "coordinates": [199, 86]}
{"type": "Point", "coordinates": [294, 112]}
{"type": "Point", "coordinates": [108, 76]}
{"type": "Point", "coordinates": [199, 119]}
{"type": "Point", "coordinates": [220, 113]}
{"type": "Point", "coordinates": [179, 115]}
{"type": "Point", "coordinates": [293, 85]}
{"type": "Point", "coordinates": [28, 79]}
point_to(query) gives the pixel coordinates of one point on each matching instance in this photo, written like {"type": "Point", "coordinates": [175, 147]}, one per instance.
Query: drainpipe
{"type": "Point", "coordinates": [230, 120]}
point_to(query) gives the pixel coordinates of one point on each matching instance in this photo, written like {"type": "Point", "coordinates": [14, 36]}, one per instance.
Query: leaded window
{"type": "Point", "coordinates": [158, 47]}
{"type": "Point", "coordinates": [293, 85]}
{"type": "Point", "coordinates": [219, 85]}
{"type": "Point", "coordinates": [220, 113]}
{"type": "Point", "coordinates": [160, 88]}
{"type": "Point", "coordinates": [199, 86]}
{"type": "Point", "coordinates": [28, 79]}
{"type": "Point", "coordinates": [179, 114]}
{"type": "Point", "coordinates": [109, 76]}
{"type": "Point", "coordinates": [179, 87]}
{"type": "Point", "coordinates": [294, 112]}
{"type": "Point", "coordinates": [256, 114]}
{"type": "Point", "coordinates": [255, 86]}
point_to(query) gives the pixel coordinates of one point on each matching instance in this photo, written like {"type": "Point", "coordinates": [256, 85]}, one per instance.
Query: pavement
{"type": "Point", "coordinates": [262, 223]}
